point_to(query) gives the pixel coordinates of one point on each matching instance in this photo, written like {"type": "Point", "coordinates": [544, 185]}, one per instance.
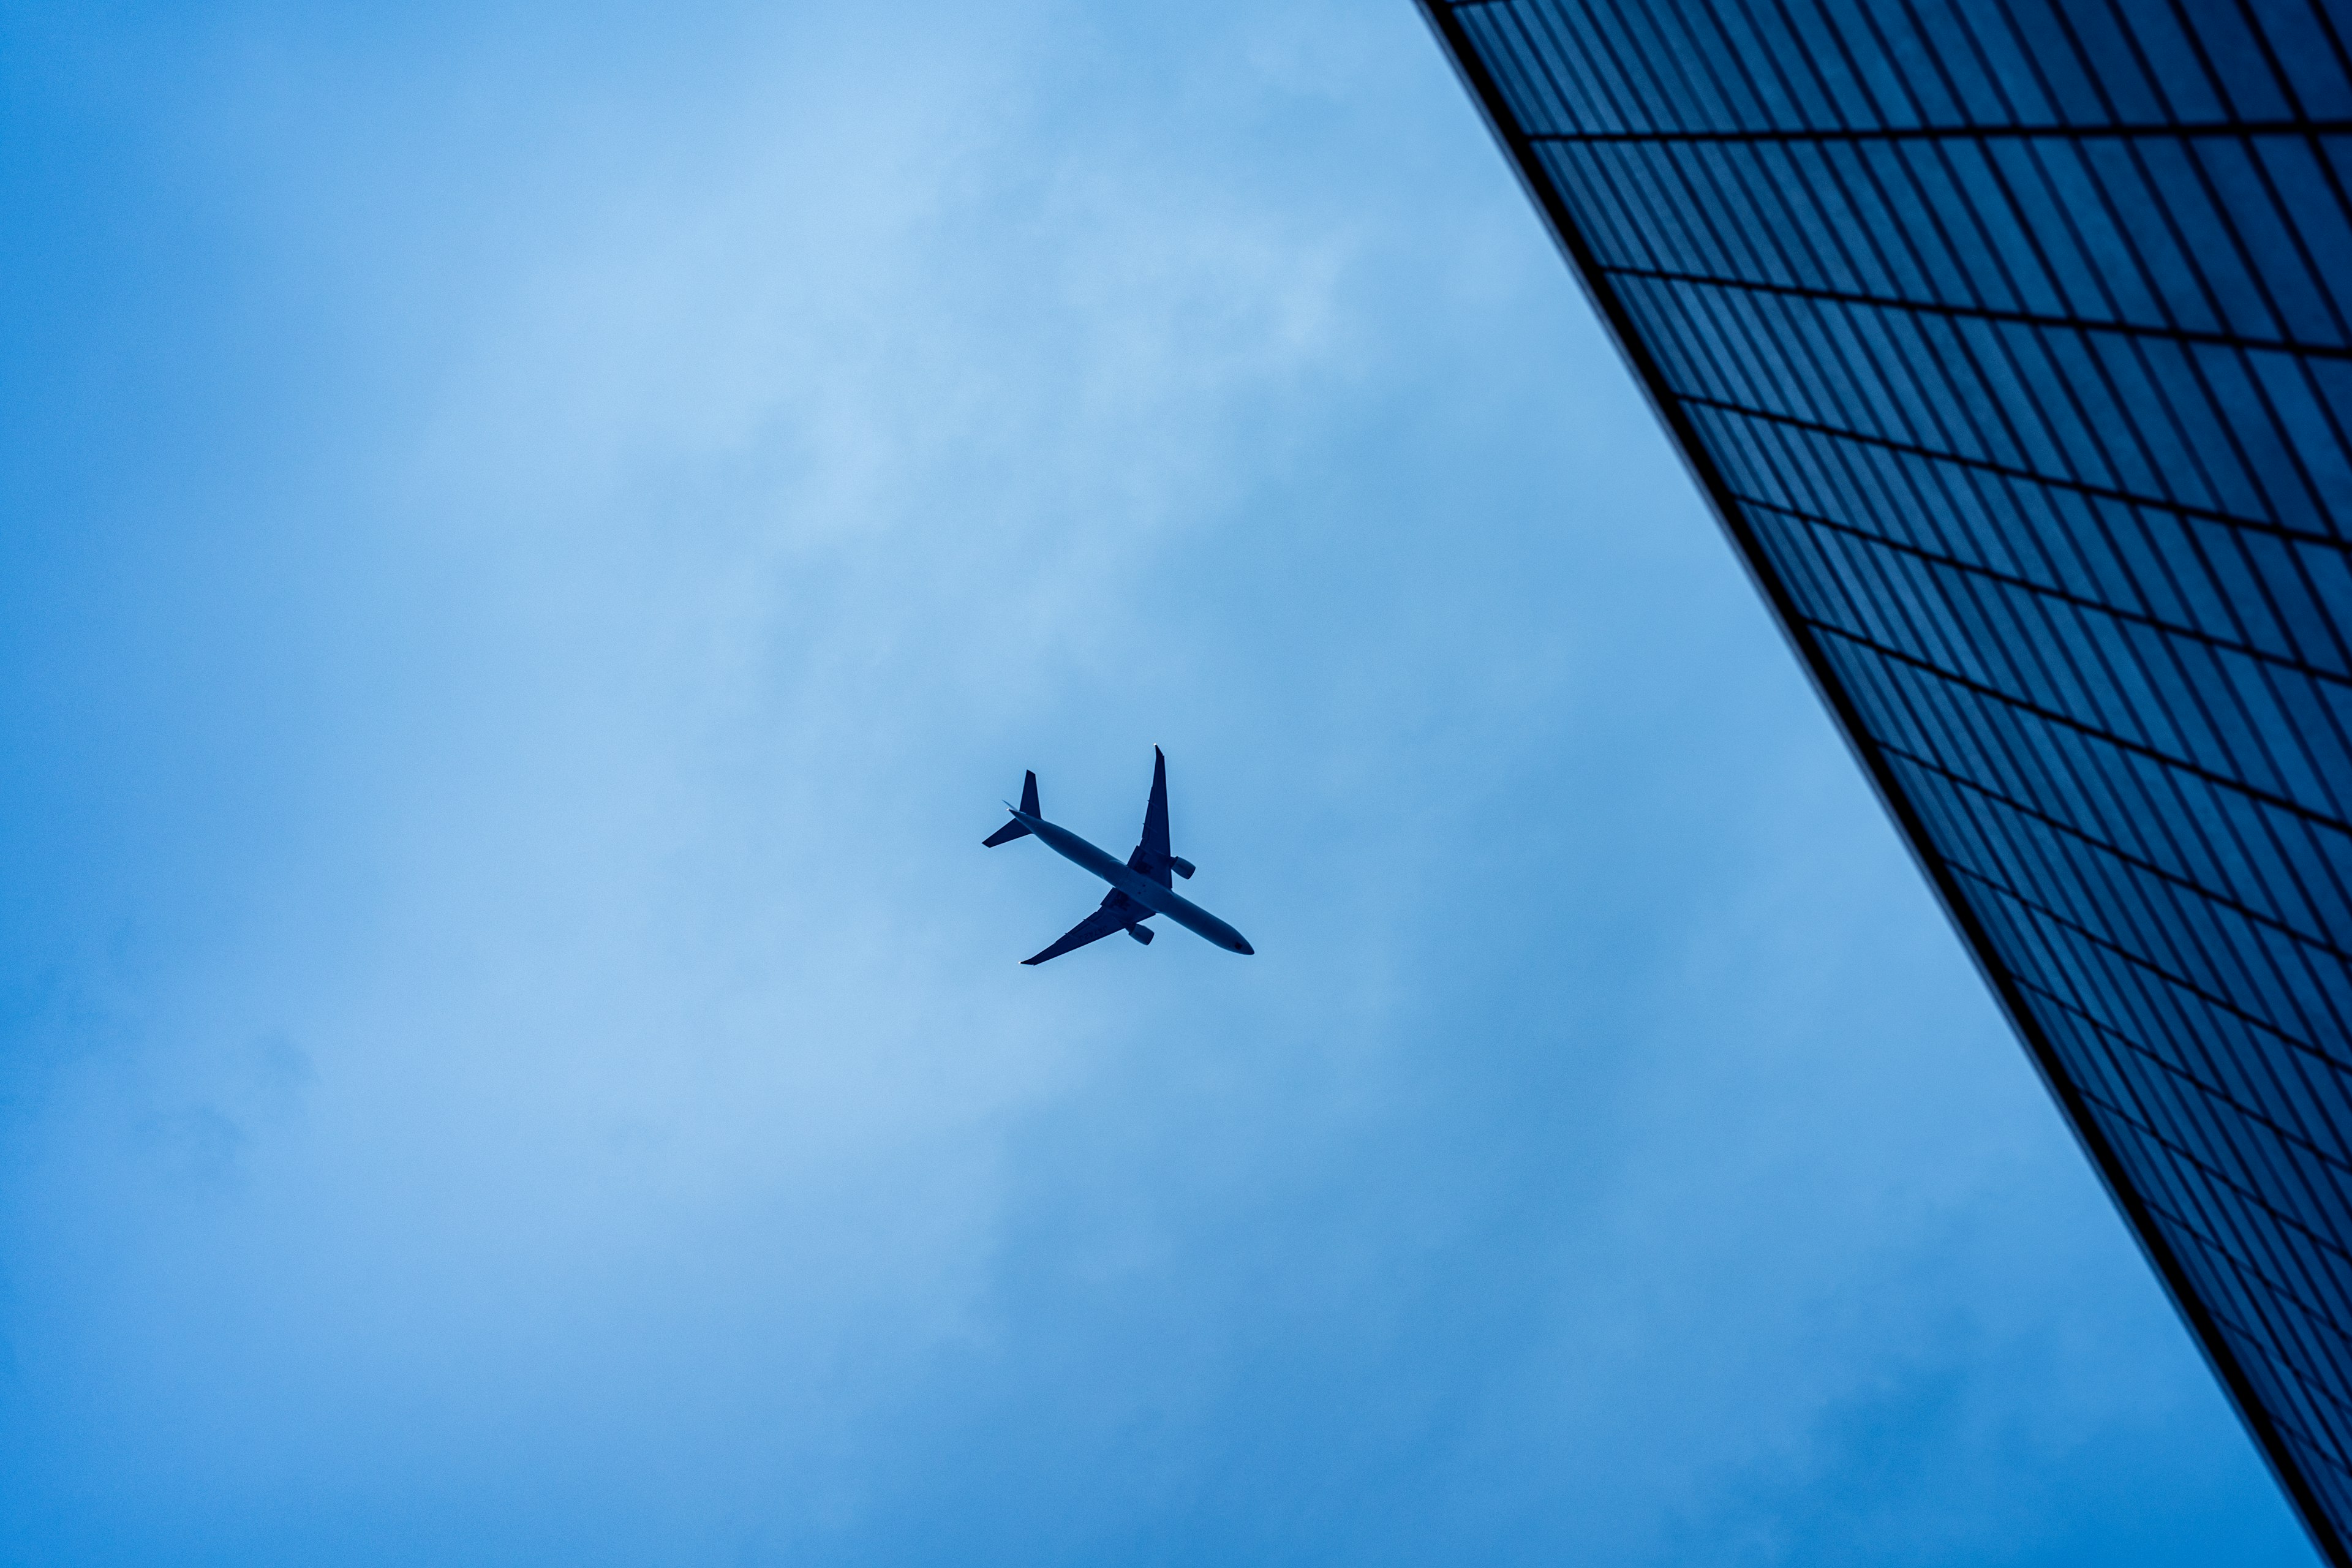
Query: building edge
{"type": "Point", "coordinates": [1519, 153]}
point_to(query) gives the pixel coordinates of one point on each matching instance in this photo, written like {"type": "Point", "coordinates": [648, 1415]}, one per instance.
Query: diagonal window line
{"type": "Point", "coordinates": [2310, 1299]}
{"type": "Point", "coordinates": [2026, 584]}
{"type": "Point", "coordinates": [2098, 596]}
{"type": "Point", "coordinates": [2173, 878]}
{"type": "Point", "coordinates": [2144, 1117]}
{"type": "Point", "coordinates": [2180, 132]}
{"type": "Point", "coordinates": [2185, 1156]}
{"type": "Point", "coordinates": [1983, 313]}
{"type": "Point", "coordinates": [2283, 1350]}
{"type": "Point", "coordinates": [2138, 748]}
{"type": "Point", "coordinates": [2137, 961]}
{"type": "Point", "coordinates": [2259, 1258]}
{"type": "Point", "coordinates": [2211, 1091]}
{"type": "Point", "coordinates": [2280, 1348]}
{"type": "Point", "coordinates": [2011, 471]}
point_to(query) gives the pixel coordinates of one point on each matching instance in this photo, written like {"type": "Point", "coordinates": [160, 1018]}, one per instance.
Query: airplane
{"type": "Point", "coordinates": [1139, 889]}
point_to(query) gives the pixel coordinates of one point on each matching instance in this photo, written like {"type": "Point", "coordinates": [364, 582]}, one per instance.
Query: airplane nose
{"type": "Point", "coordinates": [1240, 945]}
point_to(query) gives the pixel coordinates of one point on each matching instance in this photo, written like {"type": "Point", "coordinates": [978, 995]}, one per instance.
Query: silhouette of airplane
{"type": "Point", "coordinates": [1139, 889]}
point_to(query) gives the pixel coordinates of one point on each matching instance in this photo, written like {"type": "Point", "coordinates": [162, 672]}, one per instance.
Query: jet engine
{"type": "Point", "coordinates": [1182, 867]}
{"type": "Point", "coordinates": [1141, 933]}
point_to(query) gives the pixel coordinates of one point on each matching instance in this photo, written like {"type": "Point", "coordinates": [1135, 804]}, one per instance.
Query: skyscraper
{"type": "Point", "coordinates": [2012, 341]}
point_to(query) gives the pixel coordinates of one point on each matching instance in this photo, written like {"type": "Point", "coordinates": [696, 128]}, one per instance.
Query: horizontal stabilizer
{"type": "Point", "coordinates": [1013, 829]}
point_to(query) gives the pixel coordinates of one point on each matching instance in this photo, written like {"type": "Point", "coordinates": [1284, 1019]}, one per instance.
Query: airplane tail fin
{"type": "Point", "coordinates": [1016, 828]}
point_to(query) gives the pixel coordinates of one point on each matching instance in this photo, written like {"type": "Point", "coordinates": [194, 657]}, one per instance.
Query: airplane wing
{"type": "Point", "coordinates": [1117, 912]}
{"type": "Point", "coordinates": [1150, 856]}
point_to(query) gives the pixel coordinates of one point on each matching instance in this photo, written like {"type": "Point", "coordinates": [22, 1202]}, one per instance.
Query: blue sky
{"type": "Point", "coordinates": [531, 543]}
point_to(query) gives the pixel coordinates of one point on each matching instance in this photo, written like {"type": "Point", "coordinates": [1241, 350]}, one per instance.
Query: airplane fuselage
{"type": "Point", "coordinates": [1134, 884]}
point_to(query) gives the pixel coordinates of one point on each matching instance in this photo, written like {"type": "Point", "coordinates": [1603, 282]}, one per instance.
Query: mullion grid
{"type": "Point", "coordinates": [2282, 1102]}
{"type": "Point", "coordinates": [2285, 1000]}
{"type": "Point", "coordinates": [2220, 815]}
{"type": "Point", "coordinates": [2048, 321]}
{"type": "Point", "coordinates": [2214, 1136]}
{"type": "Point", "coordinates": [1939, 562]}
{"type": "Point", "coordinates": [2302, 1270]}
{"type": "Point", "coordinates": [2240, 1302]}
{"type": "Point", "coordinates": [2148, 895]}
{"type": "Point", "coordinates": [2302, 1092]}
{"type": "Point", "coordinates": [2210, 47]}
{"type": "Point", "coordinates": [1835, 350]}
{"type": "Point", "coordinates": [2262, 1245]}
{"type": "Point", "coordinates": [1976, 464]}
{"type": "Point", "coordinates": [2210, 948]}
{"type": "Point", "coordinates": [1993, 357]}
{"type": "Point", "coordinates": [2204, 689]}
{"type": "Point", "coordinates": [1998, 163]}
{"type": "Point", "coordinates": [2155, 200]}
{"type": "Point", "coordinates": [2247, 197]}
{"type": "Point", "coordinates": [2202, 369]}
{"type": "Point", "coordinates": [1503, 35]}
{"type": "Point", "coordinates": [2283, 1333]}
{"type": "Point", "coordinates": [2194, 31]}
{"type": "Point", "coordinates": [2224, 130]}
{"type": "Point", "coordinates": [1829, 42]}
{"type": "Point", "coordinates": [2261, 1315]}
{"type": "Point", "coordinates": [2096, 471]}
{"type": "Point", "coordinates": [2127, 993]}
{"type": "Point", "coordinates": [1576, 40]}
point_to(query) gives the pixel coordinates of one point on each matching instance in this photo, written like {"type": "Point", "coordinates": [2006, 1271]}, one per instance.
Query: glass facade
{"type": "Point", "coordinates": [2013, 342]}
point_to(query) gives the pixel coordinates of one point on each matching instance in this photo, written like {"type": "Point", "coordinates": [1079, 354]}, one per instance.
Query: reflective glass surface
{"type": "Point", "coordinates": [2014, 342]}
